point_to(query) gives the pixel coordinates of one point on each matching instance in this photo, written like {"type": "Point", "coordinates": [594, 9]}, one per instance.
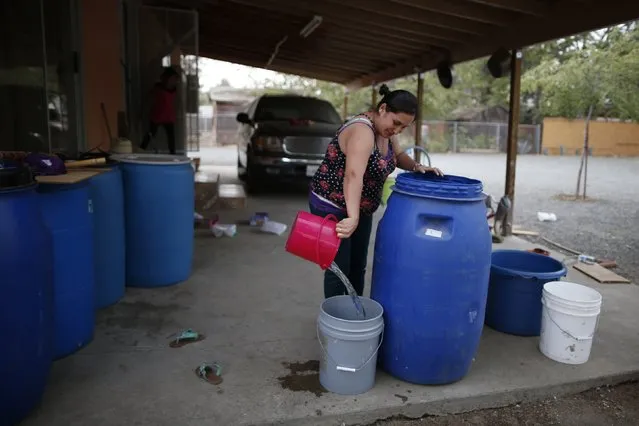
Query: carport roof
{"type": "Point", "coordinates": [364, 42]}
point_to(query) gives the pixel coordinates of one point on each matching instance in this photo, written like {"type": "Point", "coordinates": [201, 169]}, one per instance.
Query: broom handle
{"type": "Point", "coordinates": [84, 163]}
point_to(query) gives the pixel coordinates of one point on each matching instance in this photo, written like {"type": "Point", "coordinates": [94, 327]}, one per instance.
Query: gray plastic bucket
{"type": "Point", "coordinates": [348, 362]}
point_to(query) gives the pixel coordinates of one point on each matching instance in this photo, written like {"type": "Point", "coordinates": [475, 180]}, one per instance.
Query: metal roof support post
{"type": "Point", "coordinates": [345, 106]}
{"type": "Point", "coordinates": [419, 114]}
{"type": "Point", "coordinates": [373, 97]}
{"type": "Point", "coordinates": [513, 130]}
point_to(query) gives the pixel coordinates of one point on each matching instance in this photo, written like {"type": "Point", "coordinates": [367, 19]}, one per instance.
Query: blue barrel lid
{"type": "Point", "coordinates": [152, 159]}
{"type": "Point", "coordinates": [14, 175]}
{"type": "Point", "coordinates": [447, 187]}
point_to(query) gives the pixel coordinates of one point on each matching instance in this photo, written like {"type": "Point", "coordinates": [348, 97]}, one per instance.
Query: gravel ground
{"type": "Point", "coordinates": [609, 406]}
{"type": "Point", "coordinates": [606, 226]}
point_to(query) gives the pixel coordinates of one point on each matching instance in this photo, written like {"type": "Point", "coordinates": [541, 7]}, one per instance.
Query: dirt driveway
{"type": "Point", "coordinates": [605, 406]}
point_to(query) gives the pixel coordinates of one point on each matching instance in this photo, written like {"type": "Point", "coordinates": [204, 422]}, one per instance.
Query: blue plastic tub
{"type": "Point", "coordinates": [517, 280]}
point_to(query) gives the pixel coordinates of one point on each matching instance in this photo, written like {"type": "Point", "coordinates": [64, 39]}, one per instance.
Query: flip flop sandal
{"type": "Point", "coordinates": [185, 337]}
{"type": "Point", "coordinates": [211, 373]}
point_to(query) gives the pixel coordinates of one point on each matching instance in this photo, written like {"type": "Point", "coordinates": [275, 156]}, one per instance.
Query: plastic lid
{"type": "Point", "coordinates": [448, 187]}
{"type": "Point", "coordinates": [154, 159]}
{"type": "Point", "coordinates": [14, 175]}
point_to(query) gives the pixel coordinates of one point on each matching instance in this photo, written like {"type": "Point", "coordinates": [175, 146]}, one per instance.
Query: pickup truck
{"type": "Point", "coordinates": [284, 137]}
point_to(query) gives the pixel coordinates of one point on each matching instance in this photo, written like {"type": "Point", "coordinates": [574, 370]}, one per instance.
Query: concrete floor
{"type": "Point", "coordinates": [257, 306]}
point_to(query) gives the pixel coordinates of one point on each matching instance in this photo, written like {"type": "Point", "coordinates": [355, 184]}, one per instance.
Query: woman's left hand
{"type": "Point", "coordinates": [424, 169]}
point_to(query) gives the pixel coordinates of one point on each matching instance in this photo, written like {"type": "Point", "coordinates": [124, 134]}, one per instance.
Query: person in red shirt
{"type": "Point", "coordinates": [163, 108]}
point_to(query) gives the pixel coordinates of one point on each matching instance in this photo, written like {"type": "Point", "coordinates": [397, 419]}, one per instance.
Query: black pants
{"type": "Point", "coordinates": [169, 128]}
{"type": "Point", "coordinates": [351, 257]}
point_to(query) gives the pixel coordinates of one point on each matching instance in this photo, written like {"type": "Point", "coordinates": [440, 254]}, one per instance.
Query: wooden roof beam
{"type": "Point", "coordinates": [455, 8]}
{"type": "Point", "coordinates": [360, 19]}
{"type": "Point", "coordinates": [368, 45]}
{"type": "Point", "coordinates": [522, 6]}
{"type": "Point", "coordinates": [259, 59]}
{"type": "Point", "coordinates": [330, 64]}
{"type": "Point", "coordinates": [265, 11]}
{"type": "Point", "coordinates": [282, 68]}
{"type": "Point", "coordinates": [416, 12]}
{"type": "Point", "coordinates": [334, 54]}
{"type": "Point", "coordinates": [562, 22]}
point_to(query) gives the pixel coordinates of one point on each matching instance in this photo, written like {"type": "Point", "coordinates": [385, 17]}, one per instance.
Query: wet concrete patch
{"type": "Point", "coordinates": [139, 315]}
{"type": "Point", "coordinates": [181, 294]}
{"type": "Point", "coordinates": [302, 377]}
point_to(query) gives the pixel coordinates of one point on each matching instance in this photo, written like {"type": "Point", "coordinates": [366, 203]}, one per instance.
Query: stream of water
{"type": "Point", "coordinates": [359, 307]}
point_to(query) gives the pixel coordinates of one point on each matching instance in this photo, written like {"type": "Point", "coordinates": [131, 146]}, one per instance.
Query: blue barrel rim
{"type": "Point", "coordinates": [21, 188]}
{"type": "Point", "coordinates": [447, 187]}
{"type": "Point", "coordinates": [531, 275]}
{"type": "Point", "coordinates": [51, 187]}
{"type": "Point", "coordinates": [152, 159]}
{"type": "Point", "coordinates": [15, 176]}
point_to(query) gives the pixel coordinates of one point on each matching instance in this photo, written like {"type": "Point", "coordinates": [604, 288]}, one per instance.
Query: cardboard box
{"type": "Point", "coordinates": [232, 196]}
{"type": "Point", "coordinates": [207, 193]}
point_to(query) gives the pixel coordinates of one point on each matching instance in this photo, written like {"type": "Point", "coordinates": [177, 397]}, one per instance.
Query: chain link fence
{"type": "Point", "coordinates": [437, 136]}
{"type": "Point", "coordinates": [465, 136]}
{"type": "Point", "coordinates": [217, 129]}
{"type": "Point", "coordinates": [200, 126]}
{"type": "Point", "coordinates": [225, 128]}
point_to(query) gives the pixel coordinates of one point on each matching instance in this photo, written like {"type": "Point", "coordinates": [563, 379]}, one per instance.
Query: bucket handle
{"type": "Point", "coordinates": [577, 338]}
{"type": "Point", "coordinates": [566, 262]}
{"type": "Point", "coordinates": [532, 277]}
{"type": "Point", "coordinates": [350, 369]}
{"type": "Point", "coordinates": [319, 235]}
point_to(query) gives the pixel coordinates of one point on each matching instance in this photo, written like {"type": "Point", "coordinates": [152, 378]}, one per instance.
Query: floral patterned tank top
{"type": "Point", "coordinates": [328, 181]}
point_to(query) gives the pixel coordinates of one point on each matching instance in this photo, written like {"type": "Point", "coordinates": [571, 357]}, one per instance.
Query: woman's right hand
{"type": "Point", "coordinates": [346, 227]}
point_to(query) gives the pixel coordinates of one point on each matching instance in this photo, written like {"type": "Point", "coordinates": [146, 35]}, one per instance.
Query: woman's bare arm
{"type": "Point", "coordinates": [357, 142]}
{"type": "Point", "coordinates": [404, 161]}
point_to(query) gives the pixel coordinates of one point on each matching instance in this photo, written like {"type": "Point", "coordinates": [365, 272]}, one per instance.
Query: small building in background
{"type": "Point", "coordinates": [226, 102]}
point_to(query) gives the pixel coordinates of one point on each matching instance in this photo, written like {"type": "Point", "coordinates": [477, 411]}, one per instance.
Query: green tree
{"type": "Point", "coordinates": [560, 78]}
{"type": "Point", "coordinates": [599, 69]}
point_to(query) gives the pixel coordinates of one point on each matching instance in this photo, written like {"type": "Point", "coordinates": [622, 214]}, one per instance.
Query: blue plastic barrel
{"type": "Point", "coordinates": [26, 296]}
{"type": "Point", "coordinates": [159, 200]}
{"type": "Point", "coordinates": [430, 273]}
{"type": "Point", "coordinates": [67, 211]}
{"type": "Point", "coordinates": [517, 279]}
{"type": "Point", "coordinates": [107, 196]}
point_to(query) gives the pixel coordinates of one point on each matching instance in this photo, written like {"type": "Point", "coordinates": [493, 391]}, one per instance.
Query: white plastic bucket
{"type": "Point", "coordinates": [349, 345]}
{"type": "Point", "coordinates": [569, 320]}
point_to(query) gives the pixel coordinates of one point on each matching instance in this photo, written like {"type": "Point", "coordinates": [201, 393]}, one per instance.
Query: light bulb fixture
{"type": "Point", "coordinates": [311, 26]}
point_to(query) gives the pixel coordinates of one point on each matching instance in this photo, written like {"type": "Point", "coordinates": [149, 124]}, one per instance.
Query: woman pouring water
{"type": "Point", "coordinates": [349, 182]}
